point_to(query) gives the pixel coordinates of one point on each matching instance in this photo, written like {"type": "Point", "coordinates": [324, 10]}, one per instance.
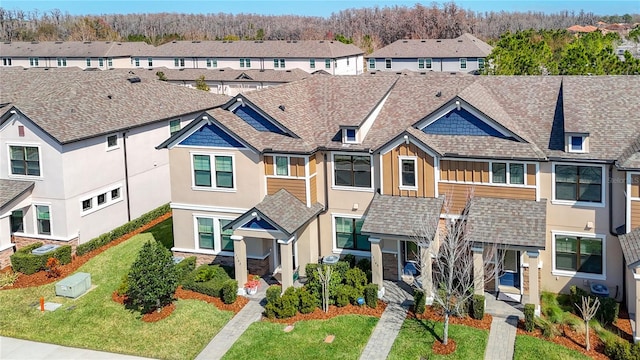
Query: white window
{"type": "Point", "coordinates": [507, 173]}
{"type": "Point", "coordinates": [481, 63]}
{"type": "Point", "coordinates": [387, 63]}
{"type": "Point", "coordinates": [577, 254]}
{"type": "Point", "coordinates": [245, 62]}
{"type": "Point", "coordinates": [33, 61]}
{"type": "Point", "coordinates": [24, 160]}
{"type": "Point", "coordinates": [6, 61]}
{"type": "Point", "coordinates": [112, 142]}
{"type": "Point", "coordinates": [214, 172]}
{"type": "Point", "coordinates": [43, 219]}
{"type": "Point", "coordinates": [62, 62]}
{"type": "Point", "coordinates": [174, 126]}
{"type": "Point", "coordinates": [312, 63]}
{"type": "Point", "coordinates": [101, 62]}
{"type": "Point", "coordinates": [209, 234]}
{"type": "Point", "coordinates": [372, 63]}
{"type": "Point", "coordinates": [327, 63]}
{"type": "Point", "coordinates": [408, 172]}
{"type": "Point", "coordinates": [150, 62]}
{"type": "Point", "coordinates": [427, 63]}
{"type": "Point", "coordinates": [100, 200]}
{"type": "Point", "coordinates": [110, 62]}
{"type": "Point", "coordinates": [212, 63]}
{"type": "Point", "coordinates": [463, 63]}
{"type": "Point", "coordinates": [137, 62]}
{"type": "Point", "coordinates": [115, 194]}
{"type": "Point", "coordinates": [178, 62]}
{"type": "Point", "coordinates": [88, 62]}
{"type": "Point", "coordinates": [278, 63]}
{"type": "Point", "coordinates": [282, 165]}
{"type": "Point", "coordinates": [87, 204]}
{"type": "Point", "coordinates": [350, 136]}
{"type": "Point", "coordinates": [577, 144]}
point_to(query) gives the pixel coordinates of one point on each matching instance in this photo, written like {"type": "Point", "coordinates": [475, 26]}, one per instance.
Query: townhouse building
{"type": "Point", "coordinates": [465, 54]}
{"type": "Point", "coordinates": [279, 178]}
{"type": "Point", "coordinates": [77, 151]}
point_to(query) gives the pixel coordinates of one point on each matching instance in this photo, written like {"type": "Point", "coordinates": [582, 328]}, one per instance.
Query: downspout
{"type": "Point", "coordinates": [326, 198]}
{"type": "Point", "coordinates": [126, 175]}
{"type": "Point", "coordinates": [613, 232]}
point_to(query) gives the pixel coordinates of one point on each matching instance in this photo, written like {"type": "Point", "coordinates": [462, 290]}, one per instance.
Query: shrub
{"type": "Point", "coordinates": [635, 351]}
{"type": "Point", "coordinates": [229, 291]}
{"type": "Point", "coordinates": [529, 317]}
{"type": "Point", "coordinates": [124, 285]}
{"type": "Point", "coordinates": [371, 295]}
{"type": "Point", "coordinates": [287, 305]}
{"type": "Point", "coordinates": [122, 230]}
{"type": "Point", "coordinates": [342, 296]}
{"type": "Point", "coordinates": [419, 301]}
{"type": "Point", "coordinates": [27, 263]}
{"type": "Point", "coordinates": [153, 278]}
{"type": "Point", "coordinates": [356, 278]}
{"type": "Point", "coordinates": [617, 349]}
{"type": "Point", "coordinates": [308, 302]}
{"type": "Point", "coordinates": [608, 310]}
{"type": "Point", "coordinates": [477, 307]}
{"type": "Point", "coordinates": [364, 265]}
{"type": "Point", "coordinates": [575, 296]}
{"type": "Point", "coordinates": [273, 293]}
{"type": "Point", "coordinates": [184, 267]}
{"type": "Point", "coordinates": [216, 276]}
{"type": "Point", "coordinates": [340, 270]}
{"type": "Point", "coordinates": [549, 329]}
{"type": "Point", "coordinates": [7, 278]}
{"type": "Point", "coordinates": [351, 259]}
{"type": "Point", "coordinates": [53, 267]}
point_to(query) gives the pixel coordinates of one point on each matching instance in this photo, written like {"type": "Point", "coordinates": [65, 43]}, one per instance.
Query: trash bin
{"type": "Point", "coordinates": [599, 290]}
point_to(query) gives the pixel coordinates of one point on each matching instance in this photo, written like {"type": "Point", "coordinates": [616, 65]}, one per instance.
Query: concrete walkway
{"type": "Point", "coordinates": [224, 340]}
{"type": "Point", "coordinates": [384, 334]}
{"type": "Point", "coordinates": [16, 349]}
{"type": "Point", "coordinates": [502, 336]}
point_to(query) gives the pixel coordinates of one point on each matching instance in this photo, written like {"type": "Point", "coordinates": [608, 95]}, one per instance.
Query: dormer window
{"type": "Point", "coordinates": [349, 136]}
{"type": "Point", "coordinates": [576, 143]}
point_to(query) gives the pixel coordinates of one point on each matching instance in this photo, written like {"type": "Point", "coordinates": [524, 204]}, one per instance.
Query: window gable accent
{"type": "Point", "coordinates": [210, 135]}
{"type": "Point", "coordinates": [462, 122]}
{"type": "Point", "coordinates": [258, 224]}
{"type": "Point", "coordinates": [256, 120]}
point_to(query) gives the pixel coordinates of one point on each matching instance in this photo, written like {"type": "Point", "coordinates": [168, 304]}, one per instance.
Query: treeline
{"type": "Point", "coordinates": [368, 28]}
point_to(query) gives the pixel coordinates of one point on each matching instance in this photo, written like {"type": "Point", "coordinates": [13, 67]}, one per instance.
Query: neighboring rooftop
{"type": "Point", "coordinates": [80, 49]}
{"type": "Point", "coordinates": [465, 45]}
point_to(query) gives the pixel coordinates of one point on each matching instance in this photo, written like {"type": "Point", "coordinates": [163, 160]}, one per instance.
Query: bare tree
{"type": "Point", "coordinates": [446, 262]}
{"type": "Point", "coordinates": [588, 311]}
{"type": "Point", "coordinates": [324, 274]}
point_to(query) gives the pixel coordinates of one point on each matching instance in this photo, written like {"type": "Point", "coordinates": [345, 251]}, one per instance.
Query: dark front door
{"type": "Point", "coordinates": [510, 274]}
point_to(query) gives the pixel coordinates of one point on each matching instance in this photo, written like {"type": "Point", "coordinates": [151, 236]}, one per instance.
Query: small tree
{"type": "Point", "coordinates": [161, 76]}
{"type": "Point", "coordinates": [588, 311]}
{"type": "Point", "coordinates": [153, 278]}
{"type": "Point", "coordinates": [201, 84]}
{"type": "Point", "coordinates": [324, 274]}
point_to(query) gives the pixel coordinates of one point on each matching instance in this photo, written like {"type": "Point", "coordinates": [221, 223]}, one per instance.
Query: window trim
{"type": "Point", "coordinates": [245, 63]}
{"type": "Point", "coordinates": [327, 63]}
{"type": "Point", "coordinates": [35, 219]}
{"type": "Point", "coordinates": [388, 63]}
{"type": "Point", "coordinates": [62, 61]}
{"type": "Point", "coordinates": [583, 144]}
{"type": "Point", "coordinates": [113, 147]}
{"type": "Point", "coordinates": [109, 200]}
{"type": "Point", "coordinates": [345, 136]}
{"type": "Point", "coordinates": [372, 63]}
{"type": "Point", "coordinates": [211, 62]}
{"type": "Point", "coordinates": [217, 234]}
{"type": "Point", "coordinates": [20, 176]}
{"type": "Point", "coordinates": [491, 183]}
{"type": "Point", "coordinates": [576, 274]}
{"type": "Point", "coordinates": [34, 61]}
{"type": "Point", "coordinates": [275, 165]}
{"type": "Point", "coordinates": [402, 186]}
{"type": "Point", "coordinates": [481, 64]}
{"type": "Point", "coordinates": [312, 63]}
{"type": "Point", "coordinates": [88, 62]}
{"type": "Point", "coordinates": [603, 186]}
{"type": "Point", "coordinates": [336, 249]}
{"type": "Point", "coordinates": [351, 188]}
{"type": "Point", "coordinates": [214, 185]}
{"type": "Point", "coordinates": [171, 133]}
{"type": "Point", "coordinates": [463, 63]}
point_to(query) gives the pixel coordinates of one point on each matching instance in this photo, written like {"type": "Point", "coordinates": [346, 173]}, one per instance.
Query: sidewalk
{"type": "Point", "coordinates": [16, 349]}
{"type": "Point", "coordinates": [502, 335]}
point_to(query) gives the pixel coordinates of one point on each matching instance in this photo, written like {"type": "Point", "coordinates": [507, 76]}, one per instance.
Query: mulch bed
{"type": "Point", "coordinates": [42, 278]}
{"type": "Point", "coordinates": [334, 311]}
{"type": "Point", "coordinates": [159, 315]}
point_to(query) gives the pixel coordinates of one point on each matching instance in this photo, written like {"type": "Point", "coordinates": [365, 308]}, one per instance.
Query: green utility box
{"type": "Point", "coordinates": [74, 285]}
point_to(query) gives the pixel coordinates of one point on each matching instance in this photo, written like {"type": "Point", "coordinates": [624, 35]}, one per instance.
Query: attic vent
{"type": "Point", "coordinates": [281, 107]}
{"type": "Point", "coordinates": [134, 79]}
{"type": "Point", "coordinates": [423, 40]}
{"type": "Point", "coordinates": [221, 69]}
{"type": "Point", "coordinates": [423, 73]}
{"type": "Point", "coordinates": [439, 93]}
{"type": "Point", "coordinates": [438, 40]}
{"type": "Point", "coordinates": [110, 97]}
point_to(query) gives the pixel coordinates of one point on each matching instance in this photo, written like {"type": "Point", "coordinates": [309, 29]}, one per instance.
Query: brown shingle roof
{"type": "Point", "coordinates": [11, 189]}
{"type": "Point", "coordinates": [508, 221]}
{"type": "Point", "coordinates": [226, 74]}
{"type": "Point", "coordinates": [401, 216]}
{"type": "Point", "coordinates": [287, 211]}
{"type": "Point", "coordinates": [74, 105]}
{"type": "Point", "coordinates": [93, 49]}
{"type": "Point", "coordinates": [465, 45]}
{"type": "Point", "coordinates": [630, 244]}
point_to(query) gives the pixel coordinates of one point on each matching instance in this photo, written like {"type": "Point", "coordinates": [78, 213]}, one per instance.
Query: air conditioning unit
{"type": "Point", "coordinates": [74, 285]}
{"type": "Point", "coordinates": [44, 249]}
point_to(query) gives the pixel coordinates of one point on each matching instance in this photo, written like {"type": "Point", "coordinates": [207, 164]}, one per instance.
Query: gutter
{"type": "Point", "coordinates": [126, 175]}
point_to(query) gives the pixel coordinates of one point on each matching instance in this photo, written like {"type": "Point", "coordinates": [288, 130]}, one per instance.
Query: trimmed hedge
{"type": "Point", "coordinates": [284, 306]}
{"type": "Point", "coordinates": [308, 302]}
{"type": "Point", "coordinates": [419, 301]}
{"type": "Point", "coordinates": [529, 317]}
{"type": "Point", "coordinates": [122, 230]}
{"type": "Point", "coordinates": [27, 263]}
{"type": "Point", "coordinates": [185, 267]}
{"type": "Point", "coordinates": [477, 307]}
{"type": "Point", "coordinates": [371, 295]}
{"type": "Point", "coordinates": [206, 279]}
{"type": "Point", "coordinates": [229, 291]}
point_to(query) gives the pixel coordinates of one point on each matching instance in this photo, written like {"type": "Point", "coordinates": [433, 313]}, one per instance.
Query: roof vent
{"type": "Point", "coordinates": [34, 42]}
{"type": "Point", "coordinates": [87, 42]}
{"type": "Point", "coordinates": [321, 41]}
{"type": "Point", "coordinates": [288, 41]}
{"type": "Point", "coordinates": [438, 40]}
{"type": "Point", "coordinates": [57, 42]}
{"type": "Point", "coordinates": [281, 107]}
{"type": "Point", "coordinates": [423, 40]}
{"type": "Point", "coordinates": [195, 42]}
{"type": "Point", "coordinates": [134, 79]}
{"type": "Point", "coordinates": [295, 41]}
{"type": "Point", "coordinates": [439, 93]}
{"type": "Point", "coordinates": [173, 42]}
{"type": "Point", "coordinates": [289, 71]}
{"type": "Point", "coordinates": [460, 40]}
{"type": "Point", "coordinates": [110, 96]}
{"type": "Point", "coordinates": [405, 41]}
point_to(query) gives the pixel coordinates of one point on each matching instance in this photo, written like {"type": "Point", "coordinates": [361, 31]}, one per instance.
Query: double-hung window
{"type": "Point", "coordinates": [278, 63]}
{"type": "Point", "coordinates": [178, 62]}
{"type": "Point", "coordinates": [348, 234]}
{"type": "Point", "coordinates": [408, 173]}
{"type": "Point", "coordinates": [101, 62]}
{"type": "Point", "coordinates": [352, 170]}
{"type": "Point", "coordinates": [212, 63]}
{"type": "Point", "coordinates": [174, 126]}
{"type": "Point", "coordinates": [245, 62]}
{"type": "Point", "coordinates": [481, 64]}
{"type": "Point", "coordinates": [327, 63]}
{"type": "Point", "coordinates": [213, 171]}
{"type": "Point", "coordinates": [226, 244]}
{"type": "Point", "coordinates": [150, 62]}
{"type": "Point", "coordinates": [579, 254]}
{"type": "Point", "coordinates": [109, 62]}
{"type": "Point", "coordinates": [463, 63]}
{"type": "Point", "coordinates": [312, 63]}
{"type": "Point", "coordinates": [282, 166]}
{"type": "Point", "coordinates": [137, 62]}
{"type": "Point", "coordinates": [62, 62]}
{"type": "Point", "coordinates": [6, 61]}
{"type": "Point", "coordinates": [43, 219]}
{"type": "Point", "coordinates": [420, 63]}
{"type": "Point", "coordinates": [88, 62]}
{"type": "Point", "coordinates": [578, 183]}
{"type": "Point", "coordinates": [33, 61]}
{"type": "Point", "coordinates": [387, 63]}
{"type": "Point", "coordinates": [205, 233]}
{"type": "Point", "coordinates": [211, 236]}
{"type": "Point", "coordinates": [372, 63]}
{"type": "Point", "coordinates": [25, 160]}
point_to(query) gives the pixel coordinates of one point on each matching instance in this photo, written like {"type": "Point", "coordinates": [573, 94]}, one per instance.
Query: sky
{"type": "Point", "coordinates": [323, 8]}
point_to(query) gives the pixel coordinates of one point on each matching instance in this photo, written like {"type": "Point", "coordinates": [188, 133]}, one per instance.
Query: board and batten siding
{"type": "Point", "coordinates": [635, 203]}
{"type": "Point", "coordinates": [295, 183]}
{"type": "Point", "coordinates": [391, 172]}
{"type": "Point", "coordinates": [475, 171]}
{"type": "Point", "coordinates": [459, 193]}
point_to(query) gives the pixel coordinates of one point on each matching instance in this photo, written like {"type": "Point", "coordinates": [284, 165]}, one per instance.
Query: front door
{"type": "Point", "coordinates": [510, 274]}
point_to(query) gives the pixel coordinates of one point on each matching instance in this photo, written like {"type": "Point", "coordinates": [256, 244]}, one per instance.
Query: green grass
{"type": "Point", "coordinates": [532, 348]}
{"type": "Point", "coordinates": [163, 233]}
{"type": "Point", "coordinates": [417, 336]}
{"type": "Point", "coordinates": [266, 340]}
{"type": "Point", "coordinates": [94, 321]}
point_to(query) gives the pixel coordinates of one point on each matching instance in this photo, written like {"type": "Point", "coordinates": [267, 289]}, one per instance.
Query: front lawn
{"type": "Point", "coordinates": [417, 336]}
{"type": "Point", "coordinates": [266, 340]}
{"type": "Point", "coordinates": [532, 348]}
{"type": "Point", "coordinates": [94, 321]}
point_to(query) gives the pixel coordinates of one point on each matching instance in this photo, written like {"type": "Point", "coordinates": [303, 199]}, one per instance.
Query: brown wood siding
{"type": "Point", "coordinates": [313, 189]}
{"type": "Point", "coordinates": [312, 164]}
{"type": "Point", "coordinates": [424, 171]}
{"type": "Point", "coordinates": [464, 171]}
{"type": "Point", "coordinates": [635, 214]}
{"type": "Point", "coordinates": [459, 193]}
{"type": "Point", "coordinates": [268, 165]}
{"type": "Point", "coordinates": [531, 174]}
{"type": "Point", "coordinates": [296, 166]}
{"type": "Point", "coordinates": [295, 186]}
{"type": "Point", "coordinates": [635, 186]}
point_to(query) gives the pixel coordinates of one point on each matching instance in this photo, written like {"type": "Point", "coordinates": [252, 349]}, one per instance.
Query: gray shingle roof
{"type": "Point", "coordinates": [630, 244]}
{"type": "Point", "coordinates": [74, 105]}
{"type": "Point", "coordinates": [508, 221]}
{"type": "Point", "coordinates": [80, 49]}
{"type": "Point", "coordinates": [11, 189]}
{"type": "Point", "coordinates": [287, 211]}
{"type": "Point", "coordinates": [401, 216]}
{"type": "Point", "coordinates": [225, 74]}
{"type": "Point", "coordinates": [465, 45]}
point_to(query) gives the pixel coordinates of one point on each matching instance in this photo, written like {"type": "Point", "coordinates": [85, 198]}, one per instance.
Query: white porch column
{"type": "Point", "coordinates": [376, 264]}
{"type": "Point", "coordinates": [286, 251]}
{"type": "Point", "coordinates": [426, 271]}
{"type": "Point", "coordinates": [5, 231]}
{"type": "Point", "coordinates": [534, 286]}
{"type": "Point", "coordinates": [240, 261]}
{"type": "Point", "coordinates": [478, 269]}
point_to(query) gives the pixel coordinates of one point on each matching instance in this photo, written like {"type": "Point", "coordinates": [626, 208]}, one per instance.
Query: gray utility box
{"type": "Point", "coordinates": [74, 285]}
{"type": "Point", "coordinates": [44, 249]}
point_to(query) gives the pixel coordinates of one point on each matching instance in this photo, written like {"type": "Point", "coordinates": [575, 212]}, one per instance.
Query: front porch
{"type": "Point", "coordinates": [15, 203]}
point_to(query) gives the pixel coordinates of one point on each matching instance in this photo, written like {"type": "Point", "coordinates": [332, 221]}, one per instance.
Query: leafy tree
{"type": "Point", "coordinates": [161, 76]}
{"type": "Point", "coordinates": [635, 34]}
{"type": "Point", "coordinates": [343, 39]}
{"type": "Point", "coordinates": [152, 279]}
{"type": "Point", "coordinates": [201, 84]}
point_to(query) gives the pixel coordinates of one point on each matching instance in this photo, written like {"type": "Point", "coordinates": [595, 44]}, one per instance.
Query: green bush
{"type": "Point", "coordinates": [549, 329]}
{"type": "Point", "coordinates": [371, 295]}
{"type": "Point", "coordinates": [351, 259]}
{"type": "Point", "coordinates": [27, 263]}
{"type": "Point", "coordinates": [364, 265]}
{"type": "Point", "coordinates": [229, 291]}
{"type": "Point", "coordinates": [608, 310]}
{"type": "Point", "coordinates": [185, 267]}
{"type": "Point", "coordinates": [124, 285]}
{"type": "Point", "coordinates": [356, 278]}
{"type": "Point", "coordinates": [617, 349]}
{"type": "Point", "coordinates": [340, 270]}
{"type": "Point", "coordinates": [419, 301]}
{"type": "Point", "coordinates": [575, 296]}
{"type": "Point", "coordinates": [635, 351]}
{"type": "Point", "coordinates": [273, 293]}
{"type": "Point", "coordinates": [343, 295]}
{"type": "Point", "coordinates": [529, 317]}
{"type": "Point", "coordinates": [308, 302]}
{"type": "Point", "coordinates": [153, 278]}
{"type": "Point", "coordinates": [287, 305]}
{"type": "Point", "coordinates": [122, 230]}
{"type": "Point", "coordinates": [477, 307]}
{"type": "Point", "coordinates": [216, 276]}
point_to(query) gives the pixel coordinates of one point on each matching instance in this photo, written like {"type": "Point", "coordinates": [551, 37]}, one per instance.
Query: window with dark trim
{"type": "Point", "coordinates": [579, 254]}
{"type": "Point", "coordinates": [578, 183]}
{"type": "Point", "coordinates": [348, 235]}
{"type": "Point", "coordinates": [352, 170]}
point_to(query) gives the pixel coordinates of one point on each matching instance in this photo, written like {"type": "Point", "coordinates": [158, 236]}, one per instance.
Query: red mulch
{"type": "Point", "coordinates": [334, 311]}
{"type": "Point", "coordinates": [240, 302]}
{"type": "Point", "coordinates": [159, 315]}
{"type": "Point", "coordinates": [440, 349]}
{"type": "Point", "coordinates": [42, 278]}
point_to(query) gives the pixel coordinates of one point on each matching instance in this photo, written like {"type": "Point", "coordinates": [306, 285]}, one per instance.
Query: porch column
{"type": "Point", "coordinates": [426, 271]}
{"type": "Point", "coordinates": [5, 231]}
{"type": "Point", "coordinates": [636, 330]}
{"type": "Point", "coordinates": [240, 261]}
{"type": "Point", "coordinates": [534, 292]}
{"type": "Point", "coordinates": [376, 264]}
{"type": "Point", "coordinates": [286, 251]}
{"type": "Point", "coordinates": [478, 269]}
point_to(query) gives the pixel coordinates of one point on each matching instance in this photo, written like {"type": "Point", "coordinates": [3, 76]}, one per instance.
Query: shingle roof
{"type": "Point", "coordinates": [630, 243]}
{"type": "Point", "coordinates": [264, 49]}
{"type": "Point", "coordinates": [465, 45]}
{"type": "Point", "coordinates": [74, 105]}
{"type": "Point", "coordinates": [287, 211]}
{"type": "Point", "coordinates": [93, 49]}
{"type": "Point", "coordinates": [226, 74]}
{"type": "Point", "coordinates": [508, 221]}
{"type": "Point", "coordinates": [401, 216]}
{"type": "Point", "coordinates": [11, 189]}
